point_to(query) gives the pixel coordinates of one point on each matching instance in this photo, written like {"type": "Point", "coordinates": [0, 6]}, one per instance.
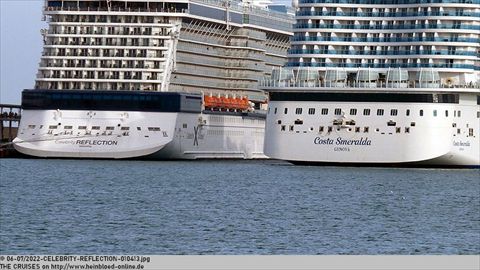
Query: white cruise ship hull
{"type": "Point", "coordinates": [446, 139]}
{"type": "Point", "coordinates": [153, 135]}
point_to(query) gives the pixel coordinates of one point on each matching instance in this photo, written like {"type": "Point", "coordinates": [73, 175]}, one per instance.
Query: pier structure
{"type": "Point", "coordinates": [9, 119]}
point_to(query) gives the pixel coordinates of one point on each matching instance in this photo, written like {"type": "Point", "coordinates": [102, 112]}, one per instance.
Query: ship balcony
{"type": "Point", "coordinates": [413, 86]}
{"type": "Point", "coordinates": [459, 13]}
{"type": "Point", "coordinates": [387, 53]}
{"type": "Point", "coordinates": [455, 27]}
{"type": "Point", "coordinates": [121, 8]}
{"type": "Point", "coordinates": [465, 67]}
{"type": "Point", "coordinates": [106, 80]}
{"type": "Point", "coordinates": [106, 35]}
{"type": "Point", "coordinates": [389, 2]}
{"type": "Point", "coordinates": [386, 40]}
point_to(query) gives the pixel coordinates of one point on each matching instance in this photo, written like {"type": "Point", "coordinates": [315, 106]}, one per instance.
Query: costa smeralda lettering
{"type": "Point", "coordinates": [341, 141]}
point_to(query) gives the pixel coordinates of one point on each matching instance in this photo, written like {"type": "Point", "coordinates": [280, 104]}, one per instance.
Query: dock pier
{"type": "Point", "coordinates": [10, 116]}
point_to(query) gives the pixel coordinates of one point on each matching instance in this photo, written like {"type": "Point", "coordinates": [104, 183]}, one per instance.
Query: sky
{"type": "Point", "coordinates": [21, 46]}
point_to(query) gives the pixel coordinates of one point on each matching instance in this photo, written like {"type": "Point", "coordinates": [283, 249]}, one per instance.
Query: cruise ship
{"type": "Point", "coordinates": [379, 82]}
{"type": "Point", "coordinates": [153, 79]}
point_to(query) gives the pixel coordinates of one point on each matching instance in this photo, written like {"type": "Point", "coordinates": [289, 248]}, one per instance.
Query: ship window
{"type": "Point", "coordinates": [412, 124]}
{"type": "Point", "coordinates": [275, 110]}
{"type": "Point", "coordinates": [379, 111]}
{"type": "Point", "coordinates": [282, 128]}
{"type": "Point", "coordinates": [324, 111]}
{"type": "Point", "coordinates": [96, 128]}
{"type": "Point", "coordinates": [446, 113]}
{"type": "Point", "coordinates": [421, 112]}
{"type": "Point", "coordinates": [398, 129]}
{"type": "Point", "coordinates": [458, 131]}
{"type": "Point", "coordinates": [393, 112]}
{"type": "Point", "coordinates": [67, 127]}
{"type": "Point", "coordinates": [330, 129]}
{"type": "Point", "coordinates": [298, 122]}
{"type": "Point", "coordinates": [435, 113]}
{"type": "Point", "coordinates": [298, 111]}
{"type": "Point", "coordinates": [311, 111]}
{"type": "Point", "coordinates": [139, 128]}
{"type": "Point", "coordinates": [291, 128]}
{"type": "Point", "coordinates": [454, 113]}
{"type": "Point", "coordinates": [125, 128]}
{"type": "Point", "coordinates": [407, 113]}
{"type": "Point", "coordinates": [407, 130]}
{"type": "Point", "coordinates": [470, 132]}
{"type": "Point", "coordinates": [31, 126]}
{"type": "Point", "coordinates": [478, 114]}
{"type": "Point", "coordinates": [338, 111]}
{"type": "Point", "coordinates": [320, 129]}
{"type": "Point", "coordinates": [52, 127]}
{"type": "Point", "coordinates": [153, 129]}
{"type": "Point", "coordinates": [110, 128]}
{"type": "Point", "coordinates": [366, 111]}
{"type": "Point", "coordinates": [357, 129]}
{"type": "Point", "coordinates": [353, 111]}
{"type": "Point", "coordinates": [454, 124]}
{"type": "Point", "coordinates": [184, 125]}
{"type": "Point", "coordinates": [285, 111]}
{"type": "Point", "coordinates": [459, 114]}
{"type": "Point", "coordinates": [82, 127]}
{"type": "Point", "coordinates": [279, 122]}
{"type": "Point", "coordinates": [365, 129]}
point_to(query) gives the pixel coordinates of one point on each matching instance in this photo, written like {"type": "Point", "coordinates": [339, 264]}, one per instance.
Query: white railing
{"type": "Point", "coordinates": [317, 83]}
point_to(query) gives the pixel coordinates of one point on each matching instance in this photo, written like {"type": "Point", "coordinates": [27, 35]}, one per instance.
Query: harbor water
{"type": "Point", "coordinates": [234, 207]}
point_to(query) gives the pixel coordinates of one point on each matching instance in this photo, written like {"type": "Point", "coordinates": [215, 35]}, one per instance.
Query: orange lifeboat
{"type": "Point", "coordinates": [209, 102]}
{"type": "Point", "coordinates": [226, 103]}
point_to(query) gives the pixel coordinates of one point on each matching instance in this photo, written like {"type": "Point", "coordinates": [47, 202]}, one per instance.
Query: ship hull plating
{"type": "Point", "coordinates": [152, 135]}
{"type": "Point", "coordinates": [445, 134]}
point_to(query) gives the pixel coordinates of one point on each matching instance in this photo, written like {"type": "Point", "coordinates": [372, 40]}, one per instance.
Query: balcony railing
{"type": "Point", "coordinates": [389, 2]}
{"type": "Point", "coordinates": [388, 14]}
{"type": "Point", "coordinates": [385, 27]}
{"type": "Point", "coordinates": [390, 39]}
{"type": "Point", "coordinates": [383, 65]}
{"type": "Point", "coordinates": [383, 53]}
{"type": "Point", "coordinates": [115, 9]}
{"type": "Point", "coordinates": [316, 83]}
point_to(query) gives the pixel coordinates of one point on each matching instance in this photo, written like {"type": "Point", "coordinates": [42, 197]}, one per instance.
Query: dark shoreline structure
{"type": "Point", "coordinates": [10, 116]}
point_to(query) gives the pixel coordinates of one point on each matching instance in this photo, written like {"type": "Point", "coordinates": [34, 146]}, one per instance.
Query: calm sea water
{"type": "Point", "coordinates": [234, 207]}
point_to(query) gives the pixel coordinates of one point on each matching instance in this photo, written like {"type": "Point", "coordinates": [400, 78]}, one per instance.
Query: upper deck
{"type": "Point", "coordinates": [232, 12]}
{"type": "Point", "coordinates": [365, 81]}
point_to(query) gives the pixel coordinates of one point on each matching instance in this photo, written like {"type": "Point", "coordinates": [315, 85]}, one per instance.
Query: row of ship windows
{"type": "Point", "coordinates": [94, 128]}
{"type": "Point", "coordinates": [393, 112]}
{"type": "Point", "coordinates": [329, 129]}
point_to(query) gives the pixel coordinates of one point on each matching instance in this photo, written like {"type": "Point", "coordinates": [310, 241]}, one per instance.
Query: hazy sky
{"type": "Point", "coordinates": [21, 46]}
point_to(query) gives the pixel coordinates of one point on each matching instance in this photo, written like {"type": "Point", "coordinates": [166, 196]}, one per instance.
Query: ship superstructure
{"type": "Point", "coordinates": [379, 82]}
{"type": "Point", "coordinates": [214, 49]}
